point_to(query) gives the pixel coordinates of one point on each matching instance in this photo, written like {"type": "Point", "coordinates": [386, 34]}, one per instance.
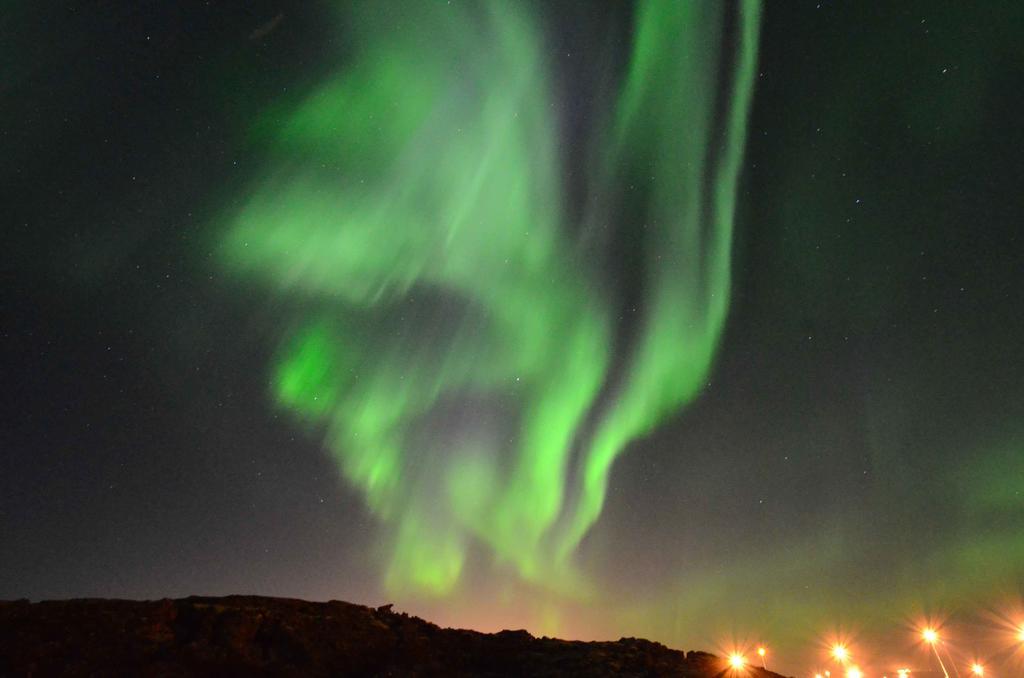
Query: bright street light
{"type": "Point", "coordinates": [931, 636]}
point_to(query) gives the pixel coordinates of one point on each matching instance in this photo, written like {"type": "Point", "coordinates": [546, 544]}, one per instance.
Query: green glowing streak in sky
{"type": "Point", "coordinates": [414, 202]}
{"type": "Point", "coordinates": [667, 128]}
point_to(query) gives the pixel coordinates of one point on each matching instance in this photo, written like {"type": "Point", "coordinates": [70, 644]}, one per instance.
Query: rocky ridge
{"type": "Point", "coordinates": [251, 635]}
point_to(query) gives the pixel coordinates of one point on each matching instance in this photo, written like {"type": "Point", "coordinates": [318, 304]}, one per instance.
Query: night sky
{"type": "Point", "coordinates": [696, 322]}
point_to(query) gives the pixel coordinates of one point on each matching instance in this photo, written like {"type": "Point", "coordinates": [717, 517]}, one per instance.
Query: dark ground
{"type": "Point", "coordinates": [251, 635]}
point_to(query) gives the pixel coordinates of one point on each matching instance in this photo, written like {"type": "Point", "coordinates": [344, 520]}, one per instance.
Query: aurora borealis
{"type": "Point", "coordinates": [419, 187]}
{"type": "Point", "coordinates": [692, 321]}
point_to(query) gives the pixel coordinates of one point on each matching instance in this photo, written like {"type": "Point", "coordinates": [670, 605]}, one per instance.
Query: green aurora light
{"type": "Point", "coordinates": [456, 343]}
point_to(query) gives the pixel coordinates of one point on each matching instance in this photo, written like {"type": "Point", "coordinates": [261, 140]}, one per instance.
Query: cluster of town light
{"type": "Point", "coordinates": [840, 653]}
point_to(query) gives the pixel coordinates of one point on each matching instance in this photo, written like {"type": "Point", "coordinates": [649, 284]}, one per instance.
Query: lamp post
{"type": "Point", "coordinates": [932, 637]}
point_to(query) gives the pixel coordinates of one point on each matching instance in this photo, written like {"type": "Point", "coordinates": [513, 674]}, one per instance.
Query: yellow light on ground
{"type": "Point", "coordinates": [930, 635]}
{"type": "Point", "coordinates": [854, 673]}
{"type": "Point", "coordinates": [840, 653]}
{"type": "Point", "coordinates": [817, 675]}
{"type": "Point", "coordinates": [903, 673]}
{"type": "Point", "coordinates": [737, 661]}
{"type": "Point", "coordinates": [977, 669]}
